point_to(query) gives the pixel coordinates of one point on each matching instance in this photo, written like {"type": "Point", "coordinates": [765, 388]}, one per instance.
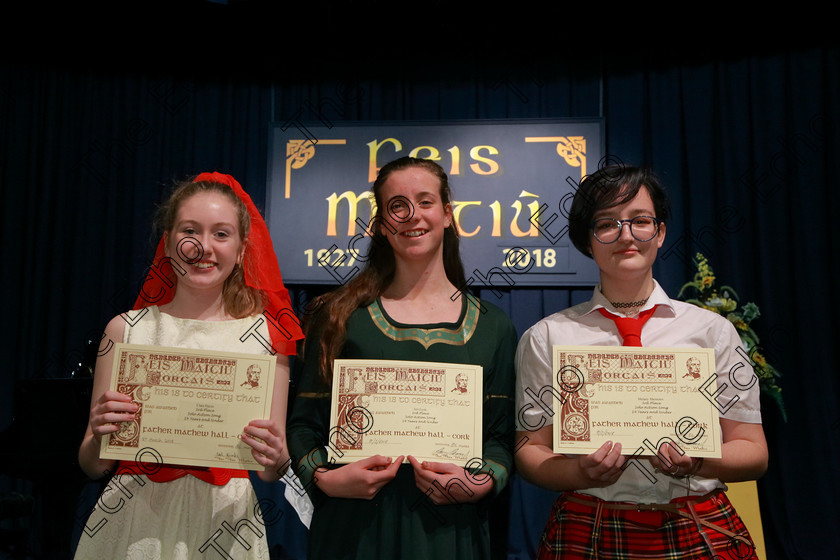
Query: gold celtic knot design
{"type": "Point", "coordinates": [573, 150]}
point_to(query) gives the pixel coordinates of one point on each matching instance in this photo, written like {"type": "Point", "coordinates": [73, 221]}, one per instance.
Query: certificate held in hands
{"type": "Point", "coordinates": [430, 410]}
{"type": "Point", "coordinates": [636, 396]}
{"type": "Point", "coordinates": [193, 404]}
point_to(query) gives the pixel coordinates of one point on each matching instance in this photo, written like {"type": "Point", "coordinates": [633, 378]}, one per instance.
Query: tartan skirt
{"type": "Point", "coordinates": [583, 527]}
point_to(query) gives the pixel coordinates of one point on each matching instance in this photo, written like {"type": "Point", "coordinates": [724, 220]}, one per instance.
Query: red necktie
{"type": "Point", "coordinates": [630, 328]}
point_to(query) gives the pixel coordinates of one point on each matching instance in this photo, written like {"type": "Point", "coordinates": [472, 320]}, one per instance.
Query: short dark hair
{"type": "Point", "coordinates": [610, 186]}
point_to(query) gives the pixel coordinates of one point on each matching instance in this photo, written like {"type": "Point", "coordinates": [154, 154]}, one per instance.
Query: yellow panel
{"type": "Point", "coordinates": [744, 496]}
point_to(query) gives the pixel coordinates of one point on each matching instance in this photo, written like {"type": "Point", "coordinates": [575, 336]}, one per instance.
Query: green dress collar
{"type": "Point", "coordinates": [456, 334]}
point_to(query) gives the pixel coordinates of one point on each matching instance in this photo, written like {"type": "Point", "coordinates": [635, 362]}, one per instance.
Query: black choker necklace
{"type": "Point", "coordinates": [628, 305]}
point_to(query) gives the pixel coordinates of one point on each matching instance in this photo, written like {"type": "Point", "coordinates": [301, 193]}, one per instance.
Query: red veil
{"type": "Point", "coordinates": [262, 272]}
{"type": "Point", "coordinates": [260, 268]}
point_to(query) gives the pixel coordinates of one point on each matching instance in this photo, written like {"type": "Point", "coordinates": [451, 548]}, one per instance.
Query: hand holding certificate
{"type": "Point", "coordinates": [193, 404]}
{"type": "Point", "coordinates": [636, 396]}
{"type": "Point", "coordinates": [429, 410]}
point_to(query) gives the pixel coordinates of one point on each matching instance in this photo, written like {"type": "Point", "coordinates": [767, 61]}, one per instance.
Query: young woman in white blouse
{"type": "Point", "coordinates": [616, 504]}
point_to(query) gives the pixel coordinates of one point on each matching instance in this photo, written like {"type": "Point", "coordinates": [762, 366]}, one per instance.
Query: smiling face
{"type": "Point", "coordinates": [413, 208]}
{"type": "Point", "coordinates": [205, 239]}
{"type": "Point", "coordinates": [627, 258]}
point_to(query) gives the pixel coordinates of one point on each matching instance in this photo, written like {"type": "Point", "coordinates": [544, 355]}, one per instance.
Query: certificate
{"type": "Point", "coordinates": [636, 396]}
{"type": "Point", "coordinates": [432, 411]}
{"type": "Point", "coordinates": [194, 405]}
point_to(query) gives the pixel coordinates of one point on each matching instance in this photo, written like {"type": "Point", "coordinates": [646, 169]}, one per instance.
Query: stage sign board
{"type": "Point", "coordinates": [512, 184]}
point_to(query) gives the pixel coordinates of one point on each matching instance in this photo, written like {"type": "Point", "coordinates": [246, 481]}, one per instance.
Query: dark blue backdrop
{"type": "Point", "coordinates": [746, 139]}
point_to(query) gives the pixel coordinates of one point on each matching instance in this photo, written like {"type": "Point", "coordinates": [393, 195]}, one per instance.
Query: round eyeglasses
{"type": "Point", "coordinates": [643, 228]}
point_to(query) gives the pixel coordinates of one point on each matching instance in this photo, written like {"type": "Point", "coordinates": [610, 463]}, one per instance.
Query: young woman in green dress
{"type": "Point", "coordinates": [405, 305]}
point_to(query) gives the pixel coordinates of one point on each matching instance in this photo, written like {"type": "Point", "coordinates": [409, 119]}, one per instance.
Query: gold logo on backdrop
{"type": "Point", "coordinates": [298, 152]}
{"type": "Point", "coordinates": [570, 148]}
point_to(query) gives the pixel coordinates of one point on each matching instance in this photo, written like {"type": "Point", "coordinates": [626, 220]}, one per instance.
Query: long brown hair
{"type": "Point", "coordinates": [240, 300]}
{"type": "Point", "coordinates": [334, 308]}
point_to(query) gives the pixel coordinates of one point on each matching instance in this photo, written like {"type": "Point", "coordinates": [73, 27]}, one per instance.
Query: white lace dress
{"type": "Point", "coordinates": [187, 518]}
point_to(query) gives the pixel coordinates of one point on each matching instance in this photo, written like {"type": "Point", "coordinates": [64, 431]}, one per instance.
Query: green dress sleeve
{"type": "Point", "coordinates": [499, 380]}
{"type": "Point", "coordinates": [309, 419]}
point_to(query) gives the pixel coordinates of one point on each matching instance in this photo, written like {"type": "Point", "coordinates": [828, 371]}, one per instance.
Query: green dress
{"type": "Point", "coordinates": [401, 522]}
